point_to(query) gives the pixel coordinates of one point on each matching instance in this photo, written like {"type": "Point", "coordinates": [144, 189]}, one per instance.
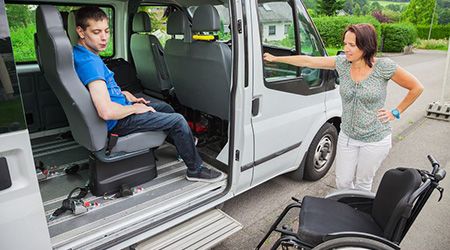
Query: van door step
{"type": "Point", "coordinates": [201, 232]}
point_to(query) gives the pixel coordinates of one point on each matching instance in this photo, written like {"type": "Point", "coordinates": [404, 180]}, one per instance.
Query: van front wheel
{"type": "Point", "coordinates": [321, 153]}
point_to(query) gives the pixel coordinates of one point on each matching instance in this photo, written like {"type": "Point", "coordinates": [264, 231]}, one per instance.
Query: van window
{"type": "Point", "coordinates": [309, 41]}
{"type": "Point", "coordinates": [224, 34]}
{"type": "Point", "coordinates": [276, 23]}
{"type": "Point", "coordinates": [22, 23]}
{"type": "Point", "coordinates": [285, 34]}
{"type": "Point", "coordinates": [11, 109]}
{"type": "Point", "coordinates": [158, 18]}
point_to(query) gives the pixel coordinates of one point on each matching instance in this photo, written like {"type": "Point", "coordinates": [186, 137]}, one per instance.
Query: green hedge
{"type": "Point", "coordinates": [331, 28]}
{"type": "Point", "coordinates": [438, 31]}
{"type": "Point", "coordinates": [22, 39]}
{"type": "Point", "coordinates": [398, 35]}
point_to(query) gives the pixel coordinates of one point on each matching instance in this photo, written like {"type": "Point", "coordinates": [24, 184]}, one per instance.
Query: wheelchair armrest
{"type": "Point", "coordinates": [389, 243]}
{"type": "Point", "coordinates": [350, 193]}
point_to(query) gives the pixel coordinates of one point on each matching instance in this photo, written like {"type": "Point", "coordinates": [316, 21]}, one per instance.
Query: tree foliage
{"type": "Point", "coordinates": [420, 12]}
{"type": "Point", "coordinates": [329, 7]}
{"type": "Point", "coordinates": [19, 15]}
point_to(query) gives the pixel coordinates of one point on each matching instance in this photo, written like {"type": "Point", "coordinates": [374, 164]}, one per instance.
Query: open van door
{"type": "Point", "coordinates": [22, 218]}
{"type": "Point", "coordinates": [288, 102]}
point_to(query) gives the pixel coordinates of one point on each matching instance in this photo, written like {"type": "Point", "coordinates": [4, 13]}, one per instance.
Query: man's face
{"type": "Point", "coordinates": [96, 35]}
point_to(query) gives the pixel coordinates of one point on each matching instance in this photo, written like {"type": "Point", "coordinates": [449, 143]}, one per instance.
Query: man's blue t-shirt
{"type": "Point", "coordinates": [90, 67]}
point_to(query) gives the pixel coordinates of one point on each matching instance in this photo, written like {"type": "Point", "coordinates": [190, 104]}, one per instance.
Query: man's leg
{"type": "Point", "coordinates": [162, 107]}
{"type": "Point", "coordinates": [346, 160]}
{"type": "Point", "coordinates": [179, 132]}
{"type": "Point", "coordinates": [173, 123]}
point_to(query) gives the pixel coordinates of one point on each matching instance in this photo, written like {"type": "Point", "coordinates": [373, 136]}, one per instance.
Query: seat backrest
{"type": "Point", "coordinates": [72, 28]}
{"type": "Point", "coordinates": [392, 204]}
{"type": "Point", "coordinates": [177, 49]}
{"type": "Point", "coordinates": [148, 56]}
{"type": "Point", "coordinates": [55, 58]}
{"type": "Point", "coordinates": [208, 75]}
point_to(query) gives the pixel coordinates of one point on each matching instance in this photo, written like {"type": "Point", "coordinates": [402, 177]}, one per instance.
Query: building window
{"type": "Point", "coordinates": [286, 28]}
{"type": "Point", "coordinates": [272, 30]}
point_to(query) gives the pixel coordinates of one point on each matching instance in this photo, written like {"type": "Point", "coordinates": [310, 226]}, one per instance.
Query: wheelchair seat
{"type": "Point", "coordinates": [390, 209]}
{"type": "Point", "coordinates": [319, 217]}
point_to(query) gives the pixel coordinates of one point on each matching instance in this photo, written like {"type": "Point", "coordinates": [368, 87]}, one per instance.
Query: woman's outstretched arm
{"type": "Point", "coordinates": [316, 62]}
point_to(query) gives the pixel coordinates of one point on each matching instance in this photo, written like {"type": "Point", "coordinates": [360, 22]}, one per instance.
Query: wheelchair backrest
{"type": "Point", "coordinates": [392, 205]}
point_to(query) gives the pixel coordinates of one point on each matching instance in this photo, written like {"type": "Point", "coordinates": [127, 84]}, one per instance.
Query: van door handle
{"type": "Point", "coordinates": [255, 106]}
{"type": "Point", "coordinates": [5, 177]}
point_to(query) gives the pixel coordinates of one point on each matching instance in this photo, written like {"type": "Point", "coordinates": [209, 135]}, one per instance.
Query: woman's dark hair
{"type": "Point", "coordinates": [366, 40]}
{"type": "Point", "coordinates": [88, 12]}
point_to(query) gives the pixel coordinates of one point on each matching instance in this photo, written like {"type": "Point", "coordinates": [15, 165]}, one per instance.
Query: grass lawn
{"type": "Point", "coordinates": [384, 3]}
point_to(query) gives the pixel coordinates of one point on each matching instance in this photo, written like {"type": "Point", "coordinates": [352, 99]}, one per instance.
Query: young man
{"type": "Point", "coordinates": [123, 112]}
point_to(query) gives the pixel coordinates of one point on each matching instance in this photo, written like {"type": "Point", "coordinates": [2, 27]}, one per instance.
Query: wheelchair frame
{"type": "Point", "coordinates": [430, 182]}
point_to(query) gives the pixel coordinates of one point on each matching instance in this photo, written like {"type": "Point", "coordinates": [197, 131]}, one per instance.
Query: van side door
{"type": "Point", "coordinates": [288, 101]}
{"type": "Point", "coordinates": [22, 220]}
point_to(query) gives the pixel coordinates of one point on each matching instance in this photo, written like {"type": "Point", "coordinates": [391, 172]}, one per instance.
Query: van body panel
{"type": "Point", "coordinates": [21, 204]}
{"type": "Point", "coordinates": [284, 118]}
{"type": "Point", "coordinates": [22, 214]}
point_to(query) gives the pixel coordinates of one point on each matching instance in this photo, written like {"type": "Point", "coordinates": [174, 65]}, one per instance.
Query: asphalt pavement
{"type": "Point", "coordinates": [414, 137]}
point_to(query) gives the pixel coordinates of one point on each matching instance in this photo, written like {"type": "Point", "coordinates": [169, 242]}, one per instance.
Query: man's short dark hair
{"type": "Point", "coordinates": [83, 15]}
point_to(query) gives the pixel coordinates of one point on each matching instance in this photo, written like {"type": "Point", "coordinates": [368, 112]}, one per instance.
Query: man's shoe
{"type": "Point", "coordinates": [205, 175]}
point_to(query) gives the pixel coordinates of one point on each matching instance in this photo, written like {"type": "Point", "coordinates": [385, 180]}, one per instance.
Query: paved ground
{"type": "Point", "coordinates": [414, 138]}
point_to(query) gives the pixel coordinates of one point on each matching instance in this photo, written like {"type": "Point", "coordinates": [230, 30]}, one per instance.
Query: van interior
{"type": "Point", "coordinates": [184, 60]}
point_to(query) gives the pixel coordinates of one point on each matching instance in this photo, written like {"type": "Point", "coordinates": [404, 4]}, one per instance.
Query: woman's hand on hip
{"type": "Point", "coordinates": [385, 115]}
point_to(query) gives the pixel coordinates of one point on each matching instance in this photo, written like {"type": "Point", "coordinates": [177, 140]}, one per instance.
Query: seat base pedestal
{"type": "Point", "coordinates": [108, 177]}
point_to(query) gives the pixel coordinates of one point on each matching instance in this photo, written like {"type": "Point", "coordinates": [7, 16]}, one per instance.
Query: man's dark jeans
{"type": "Point", "coordinates": [164, 119]}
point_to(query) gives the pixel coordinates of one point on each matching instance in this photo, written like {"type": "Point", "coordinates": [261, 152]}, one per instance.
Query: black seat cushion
{"type": "Point", "coordinates": [319, 217]}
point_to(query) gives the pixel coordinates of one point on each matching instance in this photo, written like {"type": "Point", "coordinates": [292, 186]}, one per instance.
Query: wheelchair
{"type": "Point", "coordinates": [358, 219]}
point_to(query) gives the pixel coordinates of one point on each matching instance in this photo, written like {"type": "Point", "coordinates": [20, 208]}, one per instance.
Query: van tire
{"type": "Point", "coordinates": [321, 153]}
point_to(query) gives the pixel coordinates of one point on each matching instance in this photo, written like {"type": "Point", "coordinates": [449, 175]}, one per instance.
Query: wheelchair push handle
{"type": "Point", "coordinates": [438, 172]}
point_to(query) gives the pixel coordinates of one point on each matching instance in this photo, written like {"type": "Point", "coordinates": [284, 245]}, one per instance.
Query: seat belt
{"type": "Point", "coordinates": [112, 141]}
{"type": "Point", "coordinates": [73, 204]}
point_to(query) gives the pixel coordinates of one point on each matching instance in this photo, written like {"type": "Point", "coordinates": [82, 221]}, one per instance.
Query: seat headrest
{"type": "Point", "coordinates": [178, 24]}
{"type": "Point", "coordinates": [141, 22]}
{"type": "Point", "coordinates": [72, 28]}
{"type": "Point", "coordinates": [206, 18]}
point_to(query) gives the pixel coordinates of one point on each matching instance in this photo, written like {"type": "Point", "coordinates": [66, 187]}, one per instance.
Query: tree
{"type": "Point", "coordinates": [420, 12]}
{"type": "Point", "coordinates": [443, 9]}
{"type": "Point", "coordinates": [376, 6]}
{"type": "Point", "coordinates": [357, 10]}
{"type": "Point", "coordinates": [310, 4]}
{"type": "Point", "coordinates": [348, 7]}
{"type": "Point", "coordinates": [329, 7]}
{"type": "Point", "coordinates": [19, 15]}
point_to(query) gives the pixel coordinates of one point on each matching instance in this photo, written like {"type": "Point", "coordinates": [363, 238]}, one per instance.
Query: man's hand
{"type": "Point", "coordinates": [140, 108]}
{"type": "Point", "coordinates": [131, 98]}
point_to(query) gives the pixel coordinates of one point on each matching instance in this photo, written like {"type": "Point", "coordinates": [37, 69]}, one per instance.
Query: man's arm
{"type": "Point", "coordinates": [131, 98]}
{"type": "Point", "coordinates": [108, 110]}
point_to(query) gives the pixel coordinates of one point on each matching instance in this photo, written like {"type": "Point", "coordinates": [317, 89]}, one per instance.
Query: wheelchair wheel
{"type": "Point", "coordinates": [353, 243]}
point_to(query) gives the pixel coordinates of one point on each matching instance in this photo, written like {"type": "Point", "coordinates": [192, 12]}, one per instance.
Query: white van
{"type": "Point", "coordinates": [254, 121]}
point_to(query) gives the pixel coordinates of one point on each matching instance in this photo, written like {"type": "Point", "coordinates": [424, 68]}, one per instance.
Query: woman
{"type": "Point", "coordinates": [365, 137]}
